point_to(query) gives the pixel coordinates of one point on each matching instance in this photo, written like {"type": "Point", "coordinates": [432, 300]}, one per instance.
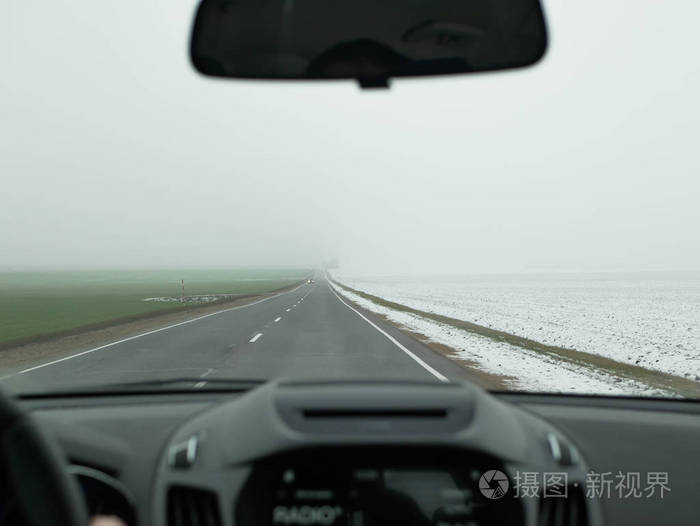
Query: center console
{"type": "Point", "coordinates": [374, 487]}
{"type": "Point", "coordinates": [364, 454]}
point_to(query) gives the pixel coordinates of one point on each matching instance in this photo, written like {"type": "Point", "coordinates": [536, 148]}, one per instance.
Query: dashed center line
{"type": "Point", "coordinates": [278, 318]}
{"type": "Point", "coordinates": [147, 333]}
{"type": "Point", "coordinates": [289, 309]}
{"type": "Point", "coordinates": [199, 385]}
{"type": "Point", "coordinates": [255, 338]}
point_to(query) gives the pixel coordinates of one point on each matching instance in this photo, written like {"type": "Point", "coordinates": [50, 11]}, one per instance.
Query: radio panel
{"type": "Point", "coordinates": [373, 487]}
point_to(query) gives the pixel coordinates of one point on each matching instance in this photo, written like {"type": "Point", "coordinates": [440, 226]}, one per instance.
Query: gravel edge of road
{"type": "Point", "coordinates": [485, 379]}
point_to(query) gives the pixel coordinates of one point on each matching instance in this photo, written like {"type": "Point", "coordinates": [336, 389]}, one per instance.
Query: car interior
{"type": "Point", "coordinates": [305, 452]}
{"type": "Point", "coordinates": [349, 451]}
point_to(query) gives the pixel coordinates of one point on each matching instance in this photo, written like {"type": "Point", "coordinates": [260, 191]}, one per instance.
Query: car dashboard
{"type": "Point", "coordinates": [373, 453]}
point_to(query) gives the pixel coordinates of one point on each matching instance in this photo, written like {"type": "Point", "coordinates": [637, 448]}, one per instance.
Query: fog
{"type": "Point", "coordinates": [115, 153]}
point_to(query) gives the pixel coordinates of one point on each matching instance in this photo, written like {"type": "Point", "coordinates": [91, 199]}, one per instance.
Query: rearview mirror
{"type": "Point", "coordinates": [368, 40]}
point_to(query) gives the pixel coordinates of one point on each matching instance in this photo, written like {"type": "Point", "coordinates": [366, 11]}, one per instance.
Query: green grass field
{"type": "Point", "coordinates": [39, 303]}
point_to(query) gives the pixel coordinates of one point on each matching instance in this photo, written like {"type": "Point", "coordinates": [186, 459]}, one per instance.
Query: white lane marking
{"type": "Point", "coordinates": [255, 338]}
{"type": "Point", "coordinates": [206, 373]}
{"type": "Point", "coordinates": [288, 310]}
{"type": "Point", "coordinates": [393, 340]}
{"type": "Point", "coordinates": [123, 340]}
{"type": "Point", "coordinates": [278, 318]}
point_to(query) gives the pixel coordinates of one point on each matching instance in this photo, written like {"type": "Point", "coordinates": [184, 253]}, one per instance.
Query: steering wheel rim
{"type": "Point", "coordinates": [35, 471]}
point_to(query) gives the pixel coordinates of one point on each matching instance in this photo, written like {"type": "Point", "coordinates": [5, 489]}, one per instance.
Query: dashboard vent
{"type": "Point", "coordinates": [375, 413]}
{"type": "Point", "coordinates": [562, 452]}
{"type": "Point", "coordinates": [560, 511]}
{"type": "Point", "coordinates": [192, 507]}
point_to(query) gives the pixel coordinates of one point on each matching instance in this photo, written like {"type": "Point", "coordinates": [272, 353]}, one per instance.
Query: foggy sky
{"type": "Point", "coordinates": [115, 152]}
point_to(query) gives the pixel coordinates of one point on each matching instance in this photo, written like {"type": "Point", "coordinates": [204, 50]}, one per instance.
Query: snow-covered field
{"type": "Point", "coordinates": [652, 321]}
{"type": "Point", "coordinates": [199, 298]}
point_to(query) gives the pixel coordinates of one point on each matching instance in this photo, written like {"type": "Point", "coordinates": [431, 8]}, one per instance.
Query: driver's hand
{"type": "Point", "coordinates": [106, 520]}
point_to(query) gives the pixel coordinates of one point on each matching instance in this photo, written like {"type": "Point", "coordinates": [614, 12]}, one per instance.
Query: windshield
{"type": "Point", "coordinates": [535, 230]}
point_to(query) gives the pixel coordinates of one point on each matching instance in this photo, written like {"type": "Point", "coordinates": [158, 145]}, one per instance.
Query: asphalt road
{"type": "Point", "coordinates": [309, 332]}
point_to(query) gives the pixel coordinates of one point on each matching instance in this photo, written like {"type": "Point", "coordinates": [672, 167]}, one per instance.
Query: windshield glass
{"type": "Point", "coordinates": [535, 230]}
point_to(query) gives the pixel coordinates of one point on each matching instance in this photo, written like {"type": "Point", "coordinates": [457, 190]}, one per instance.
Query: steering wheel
{"type": "Point", "coordinates": [34, 472]}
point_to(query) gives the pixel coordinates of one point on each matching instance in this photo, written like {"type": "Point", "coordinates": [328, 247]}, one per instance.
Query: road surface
{"type": "Point", "coordinates": [310, 332]}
